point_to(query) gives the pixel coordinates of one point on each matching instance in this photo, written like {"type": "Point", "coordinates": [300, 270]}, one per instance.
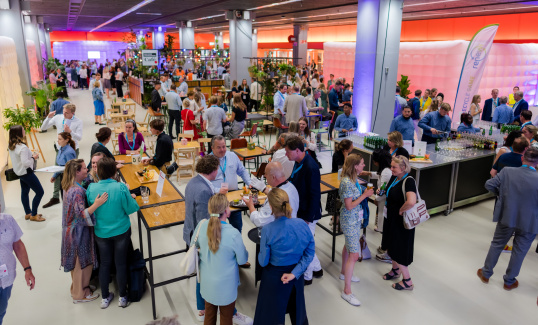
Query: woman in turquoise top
{"type": "Point", "coordinates": [112, 228]}
{"type": "Point", "coordinates": [351, 214]}
{"type": "Point", "coordinates": [221, 251]}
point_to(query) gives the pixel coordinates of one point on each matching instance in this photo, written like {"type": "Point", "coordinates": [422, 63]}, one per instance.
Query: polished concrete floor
{"type": "Point", "coordinates": [448, 251]}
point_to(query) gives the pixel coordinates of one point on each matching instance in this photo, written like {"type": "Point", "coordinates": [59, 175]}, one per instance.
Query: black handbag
{"type": "Point", "coordinates": [10, 175]}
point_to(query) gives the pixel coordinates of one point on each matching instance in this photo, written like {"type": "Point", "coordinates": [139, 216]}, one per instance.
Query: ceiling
{"type": "Point", "coordinates": [86, 15]}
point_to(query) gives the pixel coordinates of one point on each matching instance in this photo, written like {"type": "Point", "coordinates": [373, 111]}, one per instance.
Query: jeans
{"type": "Point", "coordinates": [175, 115]}
{"type": "Point", "coordinates": [30, 181]}
{"type": "Point", "coordinates": [4, 297]}
{"type": "Point", "coordinates": [236, 220]}
{"type": "Point", "coordinates": [119, 89]}
{"type": "Point", "coordinates": [83, 83]}
{"type": "Point", "coordinates": [113, 250]}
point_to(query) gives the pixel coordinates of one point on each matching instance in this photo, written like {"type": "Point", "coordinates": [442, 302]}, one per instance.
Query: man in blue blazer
{"type": "Point", "coordinates": [490, 105]}
{"type": "Point", "coordinates": [520, 105]}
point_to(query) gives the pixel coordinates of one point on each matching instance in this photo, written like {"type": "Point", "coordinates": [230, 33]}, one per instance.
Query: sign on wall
{"type": "Point", "coordinates": [150, 57]}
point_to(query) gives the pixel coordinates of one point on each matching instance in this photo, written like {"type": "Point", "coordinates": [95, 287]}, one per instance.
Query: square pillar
{"type": "Point", "coordinates": [240, 47]}
{"type": "Point", "coordinates": [32, 36]}
{"type": "Point", "coordinates": [254, 42]}
{"type": "Point", "coordinates": [300, 46]}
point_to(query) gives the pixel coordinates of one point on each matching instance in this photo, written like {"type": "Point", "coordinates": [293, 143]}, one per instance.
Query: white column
{"type": "Point", "coordinates": [48, 44]}
{"type": "Point", "coordinates": [254, 42]}
{"type": "Point", "coordinates": [186, 41]}
{"type": "Point", "coordinates": [218, 40]}
{"type": "Point", "coordinates": [300, 45]}
{"type": "Point", "coordinates": [11, 26]}
{"type": "Point", "coordinates": [42, 38]}
{"type": "Point", "coordinates": [158, 37]}
{"type": "Point", "coordinates": [376, 63]}
{"type": "Point", "coordinates": [240, 48]}
{"type": "Point", "coordinates": [31, 33]}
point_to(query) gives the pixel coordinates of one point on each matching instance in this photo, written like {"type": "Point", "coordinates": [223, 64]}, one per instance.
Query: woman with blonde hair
{"type": "Point", "coordinates": [221, 251]}
{"type": "Point", "coordinates": [354, 199]}
{"type": "Point", "coordinates": [107, 85]}
{"type": "Point", "coordinates": [286, 249]}
{"type": "Point", "coordinates": [237, 120]}
{"type": "Point", "coordinates": [395, 145]}
{"type": "Point", "coordinates": [98, 103]}
{"type": "Point", "coordinates": [475, 108]}
{"type": "Point", "coordinates": [78, 254]}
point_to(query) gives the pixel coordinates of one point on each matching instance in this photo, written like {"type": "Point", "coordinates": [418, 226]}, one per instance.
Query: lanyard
{"type": "Point", "coordinates": [359, 187]}
{"type": "Point", "coordinates": [394, 183]}
{"type": "Point", "coordinates": [295, 170]}
{"type": "Point", "coordinates": [127, 140]}
{"type": "Point", "coordinates": [101, 144]}
{"type": "Point", "coordinates": [63, 122]}
{"type": "Point", "coordinates": [223, 169]}
{"type": "Point", "coordinates": [394, 152]}
{"type": "Point", "coordinates": [79, 184]}
{"type": "Point", "coordinates": [526, 123]}
{"type": "Point", "coordinates": [529, 167]}
{"type": "Point", "coordinates": [281, 95]}
{"type": "Point", "coordinates": [424, 102]}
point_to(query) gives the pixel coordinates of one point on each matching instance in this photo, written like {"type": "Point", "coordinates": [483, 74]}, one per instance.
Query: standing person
{"type": "Point", "coordinates": [520, 105]}
{"type": "Point", "coordinates": [475, 109]}
{"type": "Point", "coordinates": [466, 124]}
{"type": "Point", "coordinates": [65, 154]}
{"type": "Point", "coordinates": [12, 243]}
{"type": "Point", "coordinates": [404, 124]}
{"type": "Point", "coordinates": [244, 90]}
{"type": "Point", "coordinates": [381, 159]}
{"type": "Point", "coordinates": [112, 229]}
{"type": "Point", "coordinates": [414, 104]}
{"type": "Point", "coordinates": [61, 79]}
{"type": "Point", "coordinates": [92, 174]}
{"type": "Point", "coordinates": [156, 99]}
{"type": "Point", "coordinates": [229, 168]}
{"type": "Point", "coordinates": [67, 122]}
{"type": "Point", "coordinates": [490, 105]}
{"type": "Point", "coordinates": [512, 158]}
{"type": "Point", "coordinates": [279, 99]}
{"type": "Point", "coordinates": [425, 102]}
{"type": "Point", "coordinates": [23, 161]}
{"type": "Point", "coordinates": [511, 97]}
{"type": "Point", "coordinates": [525, 118]}
{"type": "Point", "coordinates": [189, 121]}
{"type": "Point", "coordinates": [164, 147]}
{"type": "Point", "coordinates": [83, 76]}
{"type": "Point", "coordinates": [346, 122]}
{"type": "Point", "coordinates": [399, 241]}
{"type": "Point", "coordinates": [324, 103]}
{"type": "Point", "coordinates": [331, 81]}
{"type": "Point", "coordinates": [220, 248]}
{"type": "Point", "coordinates": [256, 94]}
{"type": "Point", "coordinates": [513, 217]}
{"type": "Point", "coordinates": [531, 133]}
{"type": "Point", "coordinates": [306, 179]}
{"type": "Point", "coordinates": [213, 119]}
{"type": "Point", "coordinates": [334, 104]}
{"type": "Point", "coordinates": [237, 120]}
{"type": "Point", "coordinates": [183, 87]}
{"type": "Point", "coordinates": [119, 83]}
{"type": "Point", "coordinates": [174, 110]}
{"type": "Point", "coordinates": [286, 249]}
{"type": "Point", "coordinates": [113, 79]}
{"type": "Point", "coordinates": [351, 216]}
{"type": "Point", "coordinates": [503, 113]}
{"type": "Point", "coordinates": [52, 78]}
{"type": "Point", "coordinates": [402, 103]}
{"type": "Point", "coordinates": [348, 94]}
{"type": "Point", "coordinates": [58, 105]}
{"type": "Point", "coordinates": [98, 103]}
{"type": "Point", "coordinates": [78, 254]}
{"type": "Point", "coordinates": [130, 141]}
{"type": "Point", "coordinates": [295, 106]}
{"type": "Point", "coordinates": [436, 124]}
{"type": "Point", "coordinates": [106, 81]}
{"type": "Point", "coordinates": [74, 76]}
{"type": "Point", "coordinates": [394, 145]}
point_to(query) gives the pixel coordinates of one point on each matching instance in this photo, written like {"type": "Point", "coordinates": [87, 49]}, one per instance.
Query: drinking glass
{"type": "Point", "coordinates": [145, 194]}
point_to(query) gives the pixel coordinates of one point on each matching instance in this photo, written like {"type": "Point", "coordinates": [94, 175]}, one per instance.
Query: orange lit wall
{"type": "Point", "coordinates": [64, 36]}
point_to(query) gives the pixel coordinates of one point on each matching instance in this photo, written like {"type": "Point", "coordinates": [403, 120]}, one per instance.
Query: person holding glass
{"type": "Point", "coordinates": [394, 145]}
{"type": "Point", "coordinates": [221, 248]}
{"type": "Point", "coordinates": [399, 240]}
{"type": "Point", "coordinates": [130, 140]}
{"type": "Point", "coordinates": [475, 109]}
{"type": "Point", "coordinates": [466, 125]}
{"type": "Point", "coordinates": [286, 249]}
{"type": "Point", "coordinates": [352, 196]}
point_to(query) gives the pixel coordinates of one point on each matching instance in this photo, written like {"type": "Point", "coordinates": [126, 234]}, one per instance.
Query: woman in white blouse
{"type": "Point", "coordinates": [309, 138]}
{"type": "Point", "coordinates": [23, 165]}
{"type": "Point", "coordinates": [381, 159]}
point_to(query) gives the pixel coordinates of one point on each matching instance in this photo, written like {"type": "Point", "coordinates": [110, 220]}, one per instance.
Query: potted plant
{"type": "Point", "coordinates": [25, 116]}
{"type": "Point", "coordinates": [43, 97]}
{"type": "Point", "coordinates": [252, 71]}
{"type": "Point", "coordinates": [404, 84]}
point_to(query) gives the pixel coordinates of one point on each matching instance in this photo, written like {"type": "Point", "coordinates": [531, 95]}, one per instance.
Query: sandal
{"type": "Point", "coordinates": [395, 275]}
{"type": "Point", "coordinates": [399, 287]}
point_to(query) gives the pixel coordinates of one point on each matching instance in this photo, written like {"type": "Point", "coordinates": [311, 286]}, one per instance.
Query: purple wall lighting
{"type": "Point", "coordinates": [78, 50]}
{"type": "Point", "coordinates": [365, 61]}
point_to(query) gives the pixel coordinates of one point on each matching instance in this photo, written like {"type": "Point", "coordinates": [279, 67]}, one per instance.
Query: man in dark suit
{"type": "Point", "coordinates": [156, 99]}
{"type": "Point", "coordinates": [490, 105]}
{"type": "Point", "coordinates": [520, 105]}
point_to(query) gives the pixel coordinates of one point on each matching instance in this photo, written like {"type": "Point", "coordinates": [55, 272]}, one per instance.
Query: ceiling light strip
{"type": "Point", "coordinates": [467, 12]}
{"type": "Point", "coordinates": [428, 3]}
{"type": "Point", "coordinates": [275, 4]}
{"type": "Point", "coordinates": [125, 13]}
{"type": "Point", "coordinates": [75, 7]}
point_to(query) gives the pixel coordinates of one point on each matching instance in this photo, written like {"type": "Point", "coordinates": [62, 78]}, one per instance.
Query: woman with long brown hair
{"type": "Point", "coordinates": [23, 161]}
{"type": "Point", "coordinates": [78, 254]}
{"type": "Point", "coordinates": [237, 120]}
{"type": "Point", "coordinates": [475, 108]}
{"type": "Point", "coordinates": [221, 248]}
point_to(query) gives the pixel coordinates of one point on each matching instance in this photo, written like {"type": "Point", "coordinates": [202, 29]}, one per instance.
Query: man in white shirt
{"type": "Point", "coordinates": [164, 86]}
{"type": "Point", "coordinates": [220, 70]}
{"type": "Point", "coordinates": [278, 100]}
{"type": "Point", "coordinates": [174, 110]}
{"type": "Point", "coordinates": [275, 178]}
{"type": "Point", "coordinates": [67, 122]}
{"type": "Point", "coordinates": [183, 87]}
{"type": "Point", "coordinates": [256, 92]}
{"type": "Point", "coordinates": [226, 78]}
{"type": "Point", "coordinates": [279, 154]}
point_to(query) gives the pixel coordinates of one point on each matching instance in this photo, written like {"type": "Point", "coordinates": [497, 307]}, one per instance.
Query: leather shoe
{"type": "Point", "coordinates": [245, 266]}
{"type": "Point", "coordinates": [52, 202]}
{"type": "Point", "coordinates": [37, 218]}
{"type": "Point", "coordinates": [307, 282]}
{"type": "Point", "coordinates": [512, 286]}
{"type": "Point", "coordinates": [481, 276]}
{"type": "Point", "coordinates": [27, 217]}
{"type": "Point", "coordinates": [317, 274]}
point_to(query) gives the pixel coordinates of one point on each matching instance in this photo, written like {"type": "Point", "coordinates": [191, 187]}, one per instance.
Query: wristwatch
{"type": "Point", "coordinates": [27, 268]}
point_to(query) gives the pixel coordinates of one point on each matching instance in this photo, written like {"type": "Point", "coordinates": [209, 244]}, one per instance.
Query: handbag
{"type": "Point", "coordinates": [417, 214]}
{"type": "Point", "coordinates": [10, 175]}
{"type": "Point", "coordinates": [365, 253]}
{"type": "Point", "coordinates": [189, 264]}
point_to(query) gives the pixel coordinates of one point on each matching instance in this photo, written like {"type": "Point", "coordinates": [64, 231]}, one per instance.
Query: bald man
{"type": "Point", "coordinates": [275, 178]}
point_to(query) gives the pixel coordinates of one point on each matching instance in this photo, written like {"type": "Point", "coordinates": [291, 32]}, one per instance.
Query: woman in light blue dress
{"type": "Point", "coordinates": [351, 214]}
{"type": "Point", "coordinates": [97, 95]}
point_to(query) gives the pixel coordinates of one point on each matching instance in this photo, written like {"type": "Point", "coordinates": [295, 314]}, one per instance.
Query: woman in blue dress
{"type": "Point", "coordinates": [97, 95]}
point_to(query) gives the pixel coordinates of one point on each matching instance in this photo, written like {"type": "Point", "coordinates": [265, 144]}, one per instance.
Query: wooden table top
{"type": "Point", "coordinates": [262, 113]}
{"type": "Point", "coordinates": [126, 158]}
{"type": "Point", "coordinates": [122, 129]}
{"type": "Point", "coordinates": [169, 192]}
{"type": "Point", "coordinates": [324, 188]}
{"type": "Point", "coordinates": [121, 102]}
{"type": "Point", "coordinates": [130, 113]}
{"type": "Point", "coordinates": [267, 122]}
{"type": "Point", "coordinates": [190, 144]}
{"type": "Point", "coordinates": [332, 180]}
{"type": "Point", "coordinates": [245, 153]}
{"type": "Point", "coordinates": [238, 194]}
{"type": "Point", "coordinates": [172, 213]}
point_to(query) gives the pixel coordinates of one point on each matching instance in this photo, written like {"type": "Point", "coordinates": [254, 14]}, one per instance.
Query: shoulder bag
{"type": "Point", "coordinates": [417, 214]}
{"type": "Point", "coordinates": [189, 264]}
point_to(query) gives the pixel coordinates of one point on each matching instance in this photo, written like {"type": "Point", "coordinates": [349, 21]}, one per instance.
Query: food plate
{"type": "Point", "coordinates": [143, 180]}
{"type": "Point", "coordinates": [421, 160]}
{"type": "Point", "coordinates": [241, 204]}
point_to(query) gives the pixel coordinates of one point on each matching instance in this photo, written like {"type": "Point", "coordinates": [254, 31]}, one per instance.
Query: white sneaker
{"type": "Point", "coordinates": [91, 297]}
{"type": "Point", "coordinates": [240, 319]}
{"type": "Point", "coordinates": [353, 278]}
{"type": "Point", "coordinates": [199, 317]}
{"type": "Point", "coordinates": [106, 301]}
{"type": "Point", "coordinates": [123, 302]}
{"type": "Point", "coordinates": [350, 299]}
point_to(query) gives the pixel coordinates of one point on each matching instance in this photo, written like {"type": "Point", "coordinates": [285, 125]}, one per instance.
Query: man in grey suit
{"type": "Point", "coordinates": [295, 106]}
{"type": "Point", "coordinates": [197, 194]}
{"type": "Point", "coordinates": [516, 212]}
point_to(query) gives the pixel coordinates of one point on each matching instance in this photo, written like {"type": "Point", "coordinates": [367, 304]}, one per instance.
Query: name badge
{"type": "Point", "coordinates": [3, 271]}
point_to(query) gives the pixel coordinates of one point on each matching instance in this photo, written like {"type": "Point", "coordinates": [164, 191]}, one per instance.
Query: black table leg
{"type": "Point", "coordinates": [151, 282]}
{"type": "Point", "coordinates": [334, 237]}
{"type": "Point", "coordinates": [140, 233]}
{"type": "Point", "coordinates": [258, 269]}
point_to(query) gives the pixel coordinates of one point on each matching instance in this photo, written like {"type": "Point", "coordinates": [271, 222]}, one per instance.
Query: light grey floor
{"type": "Point", "coordinates": [448, 251]}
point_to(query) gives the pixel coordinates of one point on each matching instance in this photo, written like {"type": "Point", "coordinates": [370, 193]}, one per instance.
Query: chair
{"type": "Point", "coordinates": [261, 170]}
{"type": "Point", "coordinates": [238, 144]}
{"type": "Point", "coordinates": [203, 141]}
{"type": "Point", "coordinates": [114, 146]}
{"type": "Point", "coordinates": [183, 135]}
{"type": "Point", "coordinates": [281, 128]}
{"type": "Point", "coordinates": [323, 128]}
{"type": "Point", "coordinates": [151, 114]}
{"type": "Point", "coordinates": [185, 160]}
{"type": "Point", "coordinates": [251, 133]}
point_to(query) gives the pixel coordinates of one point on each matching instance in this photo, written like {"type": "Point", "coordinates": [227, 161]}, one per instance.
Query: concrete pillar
{"type": "Point", "coordinates": [186, 41]}
{"type": "Point", "coordinates": [218, 40]}
{"type": "Point", "coordinates": [376, 63]}
{"type": "Point", "coordinates": [32, 34]}
{"type": "Point", "coordinates": [254, 42]}
{"type": "Point", "coordinates": [240, 48]}
{"type": "Point", "coordinates": [42, 38]}
{"type": "Point", "coordinates": [300, 46]}
{"type": "Point", "coordinates": [12, 26]}
{"type": "Point", "coordinates": [158, 37]}
{"type": "Point", "coordinates": [48, 44]}
{"type": "Point", "coordinates": [140, 38]}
